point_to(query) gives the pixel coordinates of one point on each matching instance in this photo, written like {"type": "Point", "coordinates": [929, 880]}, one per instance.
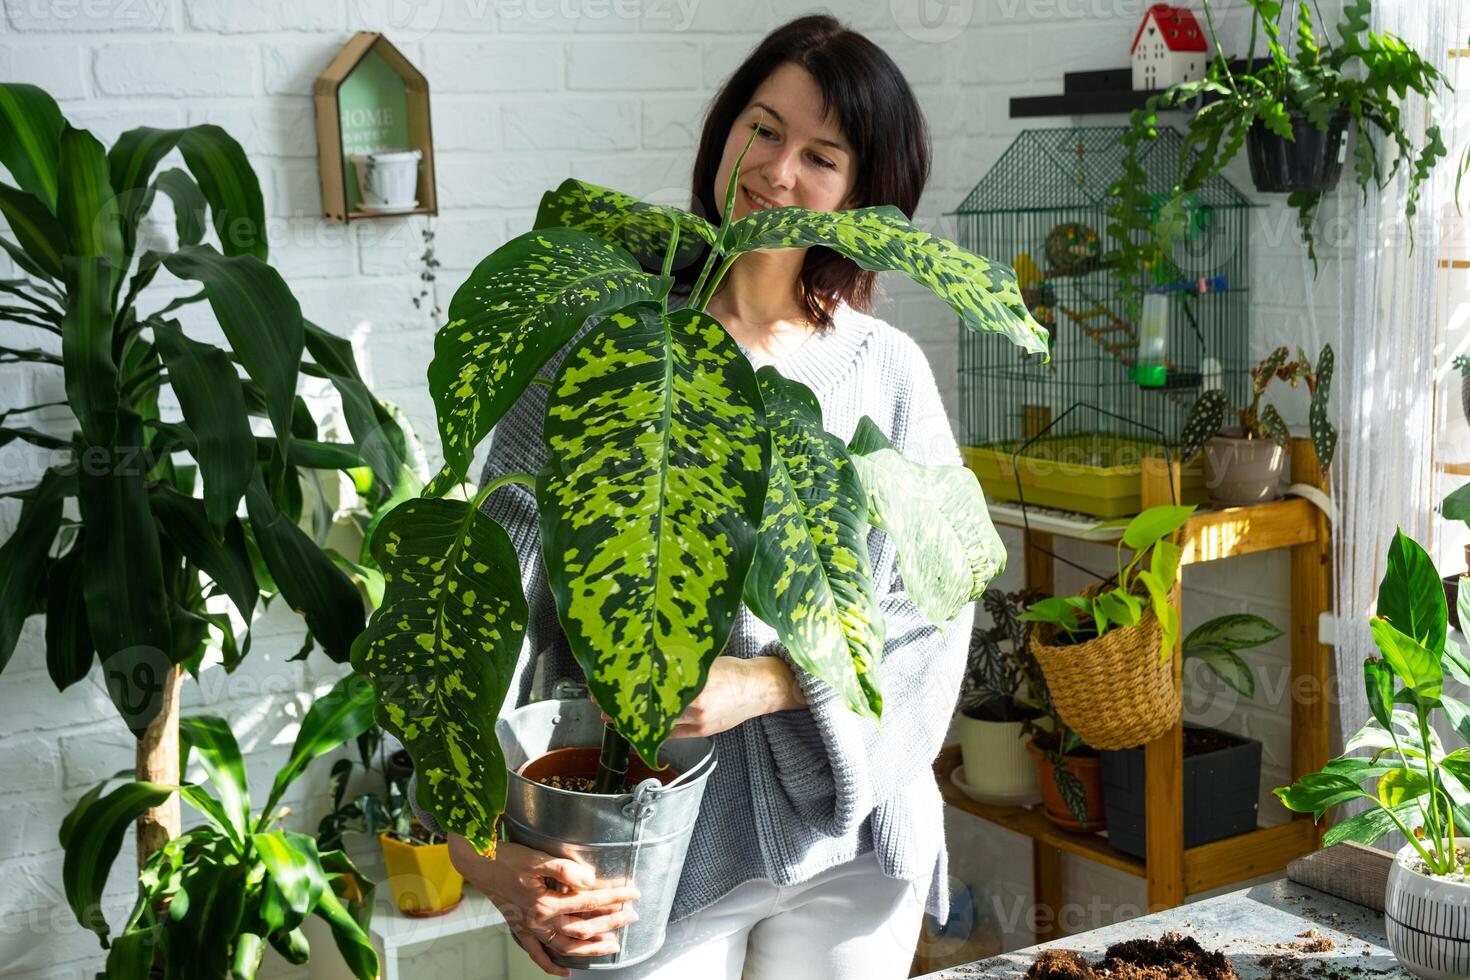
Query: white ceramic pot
{"type": "Point", "coordinates": [1427, 920]}
{"type": "Point", "coordinates": [388, 178]}
{"type": "Point", "coordinates": [997, 767]}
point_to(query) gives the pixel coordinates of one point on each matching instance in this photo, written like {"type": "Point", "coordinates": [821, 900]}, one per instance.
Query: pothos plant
{"type": "Point", "coordinates": [1139, 587]}
{"type": "Point", "coordinates": [1207, 415]}
{"type": "Point", "coordinates": [1397, 762]}
{"type": "Point", "coordinates": [679, 481]}
{"type": "Point", "coordinates": [214, 897]}
{"type": "Point", "coordinates": [126, 581]}
{"type": "Point", "coordinates": [1365, 74]}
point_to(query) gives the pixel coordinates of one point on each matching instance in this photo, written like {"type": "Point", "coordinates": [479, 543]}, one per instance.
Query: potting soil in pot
{"type": "Point", "coordinates": [1173, 956]}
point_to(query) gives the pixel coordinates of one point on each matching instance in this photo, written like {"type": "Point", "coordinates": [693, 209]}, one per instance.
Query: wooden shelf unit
{"type": "Point", "coordinates": [1173, 872]}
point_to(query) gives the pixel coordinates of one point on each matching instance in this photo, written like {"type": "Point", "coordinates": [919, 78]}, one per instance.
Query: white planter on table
{"type": "Point", "coordinates": [1427, 920]}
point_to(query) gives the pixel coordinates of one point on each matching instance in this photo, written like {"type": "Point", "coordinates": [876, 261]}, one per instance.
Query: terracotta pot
{"type": "Point", "coordinates": [581, 760]}
{"type": "Point", "coordinates": [421, 877]}
{"type": "Point", "coordinates": [1243, 471]}
{"type": "Point", "coordinates": [1088, 770]}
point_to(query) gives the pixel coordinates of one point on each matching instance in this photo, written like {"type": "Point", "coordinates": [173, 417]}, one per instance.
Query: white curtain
{"type": "Point", "coordinates": [1389, 336]}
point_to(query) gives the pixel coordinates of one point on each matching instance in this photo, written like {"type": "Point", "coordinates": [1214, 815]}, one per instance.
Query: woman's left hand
{"type": "Point", "coordinates": [737, 691]}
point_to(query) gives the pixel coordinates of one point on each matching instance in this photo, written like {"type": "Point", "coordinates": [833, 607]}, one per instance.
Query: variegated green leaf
{"type": "Point", "coordinates": [641, 228]}
{"type": "Point", "coordinates": [519, 307]}
{"type": "Point", "coordinates": [948, 550]}
{"type": "Point", "coordinates": [811, 580]}
{"type": "Point", "coordinates": [982, 292]}
{"type": "Point", "coordinates": [649, 501]}
{"type": "Point", "coordinates": [441, 651]}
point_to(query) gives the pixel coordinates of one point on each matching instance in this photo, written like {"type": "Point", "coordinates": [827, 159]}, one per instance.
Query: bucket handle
{"type": "Point", "coordinates": [709, 759]}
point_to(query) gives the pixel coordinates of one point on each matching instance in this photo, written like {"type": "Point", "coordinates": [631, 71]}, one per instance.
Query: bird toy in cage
{"type": "Point", "coordinates": [1073, 249]}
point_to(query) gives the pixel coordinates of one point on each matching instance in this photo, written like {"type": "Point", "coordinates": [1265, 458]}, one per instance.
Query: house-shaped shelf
{"type": "Point", "coordinates": [371, 98]}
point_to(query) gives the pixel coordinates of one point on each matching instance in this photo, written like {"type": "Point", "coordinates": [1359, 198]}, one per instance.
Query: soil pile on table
{"type": "Point", "coordinates": [1173, 956]}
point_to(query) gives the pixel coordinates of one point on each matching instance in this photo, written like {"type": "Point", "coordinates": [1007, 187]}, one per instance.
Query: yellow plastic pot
{"type": "Point", "coordinates": [421, 877]}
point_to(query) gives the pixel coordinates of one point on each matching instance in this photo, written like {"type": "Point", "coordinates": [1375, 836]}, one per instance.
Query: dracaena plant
{"type": "Point", "coordinates": [214, 897]}
{"type": "Point", "coordinates": [1397, 762]}
{"type": "Point", "coordinates": [1365, 74]}
{"type": "Point", "coordinates": [126, 580]}
{"type": "Point", "coordinates": [1207, 414]}
{"type": "Point", "coordinates": [679, 482]}
{"type": "Point", "coordinates": [1140, 586]}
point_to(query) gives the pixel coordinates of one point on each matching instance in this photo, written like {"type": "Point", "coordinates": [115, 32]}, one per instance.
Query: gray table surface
{"type": "Point", "coordinates": [1247, 925]}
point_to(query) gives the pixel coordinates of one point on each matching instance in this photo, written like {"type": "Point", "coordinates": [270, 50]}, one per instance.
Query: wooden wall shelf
{"type": "Point", "coordinates": [1171, 871]}
{"type": "Point", "coordinates": [370, 97]}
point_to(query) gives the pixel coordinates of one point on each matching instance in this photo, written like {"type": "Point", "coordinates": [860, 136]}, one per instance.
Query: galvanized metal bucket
{"type": "Point", "coordinates": [640, 837]}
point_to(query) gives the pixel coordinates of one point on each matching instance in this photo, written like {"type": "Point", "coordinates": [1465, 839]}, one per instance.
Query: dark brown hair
{"type": "Point", "coordinates": [877, 112]}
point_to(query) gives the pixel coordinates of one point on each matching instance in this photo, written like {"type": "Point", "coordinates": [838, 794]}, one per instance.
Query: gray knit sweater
{"type": "Point", "coordinates": [797, 792]}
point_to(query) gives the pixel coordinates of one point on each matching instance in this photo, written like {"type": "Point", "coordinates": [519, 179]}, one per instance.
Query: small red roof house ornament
{"type": "Point", "coordinates": [1169, 48]}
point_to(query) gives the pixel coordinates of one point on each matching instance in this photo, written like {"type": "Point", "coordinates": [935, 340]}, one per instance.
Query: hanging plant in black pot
{"type": "Point", "coordinates": [1292, 108]}
{"type": "Point", "coordinates": [1310, 162]}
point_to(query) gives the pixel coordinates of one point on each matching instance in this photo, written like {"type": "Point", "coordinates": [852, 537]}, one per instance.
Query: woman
{"type": "Point", "coordinates": [820, 837]}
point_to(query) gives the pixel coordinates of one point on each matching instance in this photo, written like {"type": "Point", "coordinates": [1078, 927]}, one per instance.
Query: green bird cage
{"type": "Point", "coordinates": [1122, 375]}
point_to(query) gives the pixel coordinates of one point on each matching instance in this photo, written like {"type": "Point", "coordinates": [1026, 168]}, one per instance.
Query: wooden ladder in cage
{"type": "Point", "coordinates": [1115, 336]}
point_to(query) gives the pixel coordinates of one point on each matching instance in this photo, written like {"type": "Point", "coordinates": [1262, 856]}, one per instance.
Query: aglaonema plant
{"type": "Point", "coordinates": [214, 897]}
{"type": "Point", "coordinates": [680, 482]}
{"type": "Point", "coordinates": [126, 582]}
{"type": "Point", "coordinates": [1397, 762]}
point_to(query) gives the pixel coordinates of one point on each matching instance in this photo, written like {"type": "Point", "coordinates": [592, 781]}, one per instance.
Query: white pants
{"type": "Point", "coordinates": [850, 922]}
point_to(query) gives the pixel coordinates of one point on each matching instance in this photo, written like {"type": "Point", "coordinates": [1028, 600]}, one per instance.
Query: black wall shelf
{"type": "Point", "coordinates": [1088, 93]}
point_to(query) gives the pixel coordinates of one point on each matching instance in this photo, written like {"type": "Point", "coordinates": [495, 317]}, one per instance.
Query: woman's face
{"type": "Point", "coordinates": [798, 158]}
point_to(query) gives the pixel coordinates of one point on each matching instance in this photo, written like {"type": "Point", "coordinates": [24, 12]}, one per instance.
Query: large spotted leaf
{"type": "Point", "coordinates": [982, 292]}
{"type": "Point", "coordinates": [948, 550]}
{"type": "Point", "coordinates": [519, 307]}
{"type": "Point", "coordinates": [641, 228]}
{"type": "Point", "coordinates": [650, 500]}
{"type": "Point", "coordinates": [811, 580]}
{"type": "Point", "coordinates": [441, 651]}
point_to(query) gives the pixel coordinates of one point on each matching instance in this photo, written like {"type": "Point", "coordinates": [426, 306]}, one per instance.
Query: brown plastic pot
{"type": "Point", "coordinates": [1088, 770]}
{"type": "Point", "coordinates": [581, 760]}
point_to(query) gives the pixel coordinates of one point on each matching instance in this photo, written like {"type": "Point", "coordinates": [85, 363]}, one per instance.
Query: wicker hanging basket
{"type": "Point", "coordinates": [1113, 691]}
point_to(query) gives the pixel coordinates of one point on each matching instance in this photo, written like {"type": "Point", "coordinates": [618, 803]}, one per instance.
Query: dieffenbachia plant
{"type": "Point", "coordinates": [1207, 414]}
{"type": "Point", "coordinates": [126, 580]}
{"type": "Point", "coordinates": [214, 897]}
{"type": "Point", "coordinates": [679, 482]}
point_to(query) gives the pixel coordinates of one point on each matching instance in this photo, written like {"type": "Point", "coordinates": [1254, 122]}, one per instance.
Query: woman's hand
{"type": "Point", "coordinates": [737, 691]}
{"type": "Point", "coordinates": [549, 903]}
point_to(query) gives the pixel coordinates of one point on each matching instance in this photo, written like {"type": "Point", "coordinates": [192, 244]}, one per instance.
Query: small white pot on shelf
{"type": "Point", "coordinates": [997, 768]}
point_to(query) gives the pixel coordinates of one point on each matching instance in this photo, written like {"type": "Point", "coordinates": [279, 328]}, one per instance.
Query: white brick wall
{"type": "Point", "coordinates": [526, 92]}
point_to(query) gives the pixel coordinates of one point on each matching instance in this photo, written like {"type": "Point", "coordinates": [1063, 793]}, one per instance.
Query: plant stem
{"type": "Point", "coordinates": [612, 763]}
{"type": "Point", "coordinates": [525, 479]}
{"type": "Point", "coordinates": [1219, 51]}
{"type": "Point", "coordinates": [709, 262]}
{"type": "Point", "coordinates": [719, 278]}
{"type": "Point", "coordinates": [673, 247]}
